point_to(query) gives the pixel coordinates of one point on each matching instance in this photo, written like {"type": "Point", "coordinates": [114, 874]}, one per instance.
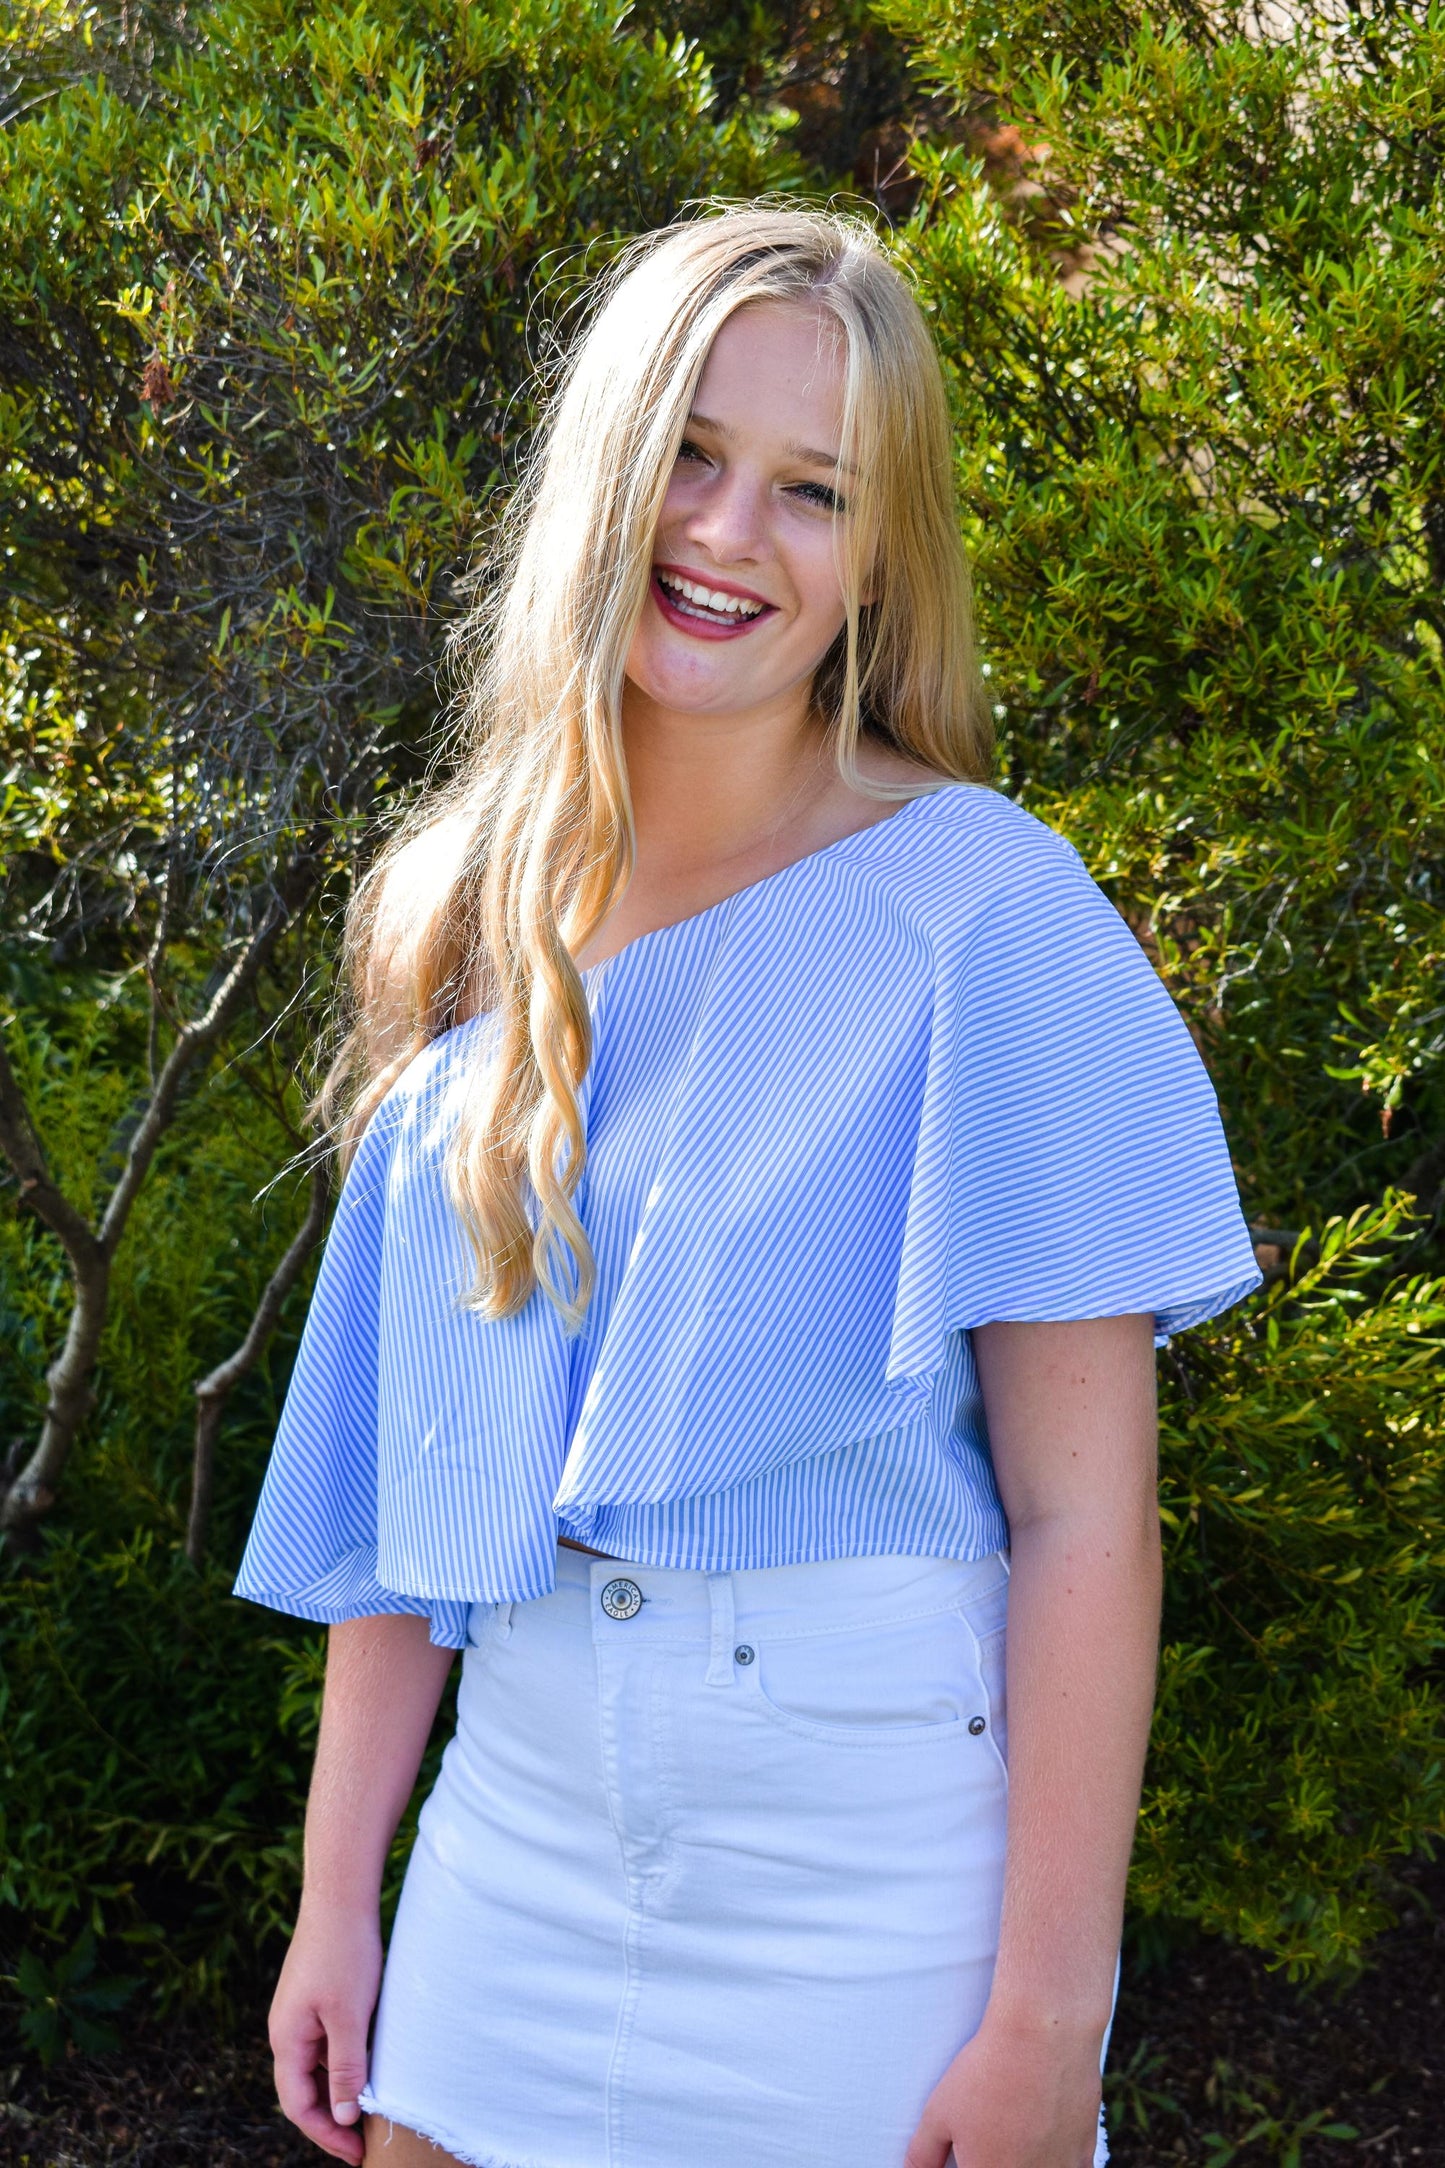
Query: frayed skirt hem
{"type": "Point", "coordinates": [423, 2127]}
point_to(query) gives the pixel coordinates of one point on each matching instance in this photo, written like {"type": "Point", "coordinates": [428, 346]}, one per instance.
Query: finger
{"type": "Point", "coordinates": [320, 2126]}
{"type": "Point", "coordinates": [346, 2065]}
{"type": "Point", "coordinates": [301, 2089]}
{"type": "Point", "coordinates": [295, 2053]}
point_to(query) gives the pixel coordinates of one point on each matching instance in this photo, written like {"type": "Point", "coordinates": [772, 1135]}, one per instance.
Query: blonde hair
{"type": "Point", "coordinates": [502, 875]}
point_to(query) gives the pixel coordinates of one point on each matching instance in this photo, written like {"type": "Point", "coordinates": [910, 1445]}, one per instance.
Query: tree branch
{"type": "Point", "coordinates": [20, 1142]}
{"type": "Point", "coordinates": [214, 1390]}
{"type": "Point", "coordinates": [91, 1250]}
{"type": "Point", "coordinates": [193, 1040]}
{"type": "Point", "coordinates": [1278, 1238]}
{"type": "Point", "coordinates": [1284, 1240]}
{"type": "Point", "coordinates": [68, 1394]}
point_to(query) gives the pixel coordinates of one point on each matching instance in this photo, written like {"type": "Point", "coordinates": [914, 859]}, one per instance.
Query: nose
{"type": "Point", "coordinates": [730, 522]}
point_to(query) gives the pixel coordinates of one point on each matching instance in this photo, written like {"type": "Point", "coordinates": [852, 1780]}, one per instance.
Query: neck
{"type": "Point", "coordinates": [709, 788]}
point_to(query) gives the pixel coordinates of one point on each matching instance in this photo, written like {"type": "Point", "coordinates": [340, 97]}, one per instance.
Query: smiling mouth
{"type": "Point", "coordinates": [689, 602]}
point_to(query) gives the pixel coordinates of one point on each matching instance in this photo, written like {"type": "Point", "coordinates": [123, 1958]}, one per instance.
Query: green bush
{"type": "Point", "coordinates": [156, 1732]}
{"type": "Point", "coordinates": [1297, 1745]}
{"type": "Point", "coordinates": [150, 1783]}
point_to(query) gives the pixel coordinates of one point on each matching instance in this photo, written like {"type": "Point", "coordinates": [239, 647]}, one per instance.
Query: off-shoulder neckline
{"type": "Point", "coordinates": [591, 973]}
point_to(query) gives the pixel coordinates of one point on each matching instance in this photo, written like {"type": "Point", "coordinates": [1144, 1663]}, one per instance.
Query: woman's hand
{"type": "Point", "coordinates": [319, 2019]}
{"type": "Point", "coordinates": [1015, 2097]}
{"type": "Point", "coordinates": [383, 1683]}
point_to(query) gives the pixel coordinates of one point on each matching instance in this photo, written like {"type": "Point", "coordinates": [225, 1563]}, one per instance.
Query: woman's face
{"type": "Point", "coordinates": [745, 597]}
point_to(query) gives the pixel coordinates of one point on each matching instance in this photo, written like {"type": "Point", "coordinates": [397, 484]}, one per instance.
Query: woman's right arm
{"type": "Point", "coordinates": [384, 1681]}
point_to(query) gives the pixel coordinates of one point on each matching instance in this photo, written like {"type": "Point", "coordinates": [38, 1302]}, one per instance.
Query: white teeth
{"type": "Point", "coordinates": [708, 599]}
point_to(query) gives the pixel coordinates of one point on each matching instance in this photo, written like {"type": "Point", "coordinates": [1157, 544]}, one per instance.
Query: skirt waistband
{"type": "Point", "coordinates": [686, 1606]}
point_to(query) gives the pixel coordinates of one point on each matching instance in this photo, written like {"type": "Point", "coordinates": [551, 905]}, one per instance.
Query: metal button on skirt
{"type": "Point", "coordinates": [712, 1870]}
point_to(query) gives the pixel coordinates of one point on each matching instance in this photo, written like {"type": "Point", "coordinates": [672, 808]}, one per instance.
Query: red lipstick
{"type": "Point", "coordinates": [690, 616]}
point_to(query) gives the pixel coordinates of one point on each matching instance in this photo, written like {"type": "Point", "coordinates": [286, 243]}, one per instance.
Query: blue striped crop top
{"type": "Point", "coordinates": [921, 1079]}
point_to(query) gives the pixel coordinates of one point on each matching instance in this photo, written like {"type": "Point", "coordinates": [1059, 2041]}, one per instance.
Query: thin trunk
{"type": "Point", "coordinates": [213, 1391]}
{"type": "Point", "coordinates": [68, 1402]}
{"type": "Point", "coordinates": [91, 1250]}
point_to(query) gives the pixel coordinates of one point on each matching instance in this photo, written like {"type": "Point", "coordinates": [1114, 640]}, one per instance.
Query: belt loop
{"type": "Point", "coordinates": [504, 1621]}
{"type": "Point", "coordinates": [720, 1598]}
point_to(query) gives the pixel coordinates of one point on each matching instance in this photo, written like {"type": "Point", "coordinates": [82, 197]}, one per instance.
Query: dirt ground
{"type": "Point", "coordinates": [1215, 2061]}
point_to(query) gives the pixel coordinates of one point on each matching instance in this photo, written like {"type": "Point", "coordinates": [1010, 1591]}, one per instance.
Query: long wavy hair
{"type": "Point", "coordinates": [500, 876]}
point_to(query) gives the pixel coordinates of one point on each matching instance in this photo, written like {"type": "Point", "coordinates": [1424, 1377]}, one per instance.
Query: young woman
{"type": "Point", "coordinates": [774, 1163]}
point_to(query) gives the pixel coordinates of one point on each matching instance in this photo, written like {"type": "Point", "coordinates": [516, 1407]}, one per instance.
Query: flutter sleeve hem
{"type": "Point", "coordinates": [1172, 1314]}
{"type": "Point", "coordinates": [351, 1590]}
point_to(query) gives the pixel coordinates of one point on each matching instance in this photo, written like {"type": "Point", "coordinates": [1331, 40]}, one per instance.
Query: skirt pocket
{"type": "Point", "coordinates": [897, 1684]}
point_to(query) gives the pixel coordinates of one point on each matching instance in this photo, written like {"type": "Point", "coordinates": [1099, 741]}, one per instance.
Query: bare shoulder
{"type": "Point", "coordinates": [889, 780]}
{"type": "Point", "coordinates": [891, 769]}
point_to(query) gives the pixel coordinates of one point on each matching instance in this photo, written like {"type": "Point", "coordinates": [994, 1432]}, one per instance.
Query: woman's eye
{"type": "Point", "coordinates": [688, 450]}
{"type": "Point", "coordinates": [818, 493]}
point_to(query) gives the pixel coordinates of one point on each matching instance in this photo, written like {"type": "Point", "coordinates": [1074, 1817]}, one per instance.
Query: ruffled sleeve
{"type": "Point", "coordinates": [1071, 1161]}
{"type": "Point", "coordinates": [312, 1549]}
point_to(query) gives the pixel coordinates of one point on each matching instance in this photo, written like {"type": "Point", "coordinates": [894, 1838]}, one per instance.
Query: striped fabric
{"type": "Point", "coordinates": [920, 1079]}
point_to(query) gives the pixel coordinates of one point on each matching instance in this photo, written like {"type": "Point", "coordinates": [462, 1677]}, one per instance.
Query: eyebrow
{"type": "Point", "coordinates": [804, 452]}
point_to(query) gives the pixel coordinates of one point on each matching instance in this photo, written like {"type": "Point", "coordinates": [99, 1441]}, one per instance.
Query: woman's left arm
{"type": "Point", "coordinates": [1071, 1421]}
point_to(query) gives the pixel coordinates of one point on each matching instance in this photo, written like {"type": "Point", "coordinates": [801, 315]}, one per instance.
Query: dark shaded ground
{"type": "Point", "coordinates": [1215, 2061]}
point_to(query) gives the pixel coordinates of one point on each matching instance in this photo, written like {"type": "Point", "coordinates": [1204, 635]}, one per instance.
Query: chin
{"type": "Point", "coordinates": [684, 686]}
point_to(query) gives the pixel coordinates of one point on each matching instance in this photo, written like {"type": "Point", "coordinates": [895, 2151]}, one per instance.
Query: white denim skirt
{"type": "Point", "coordinates": [711, 1874]}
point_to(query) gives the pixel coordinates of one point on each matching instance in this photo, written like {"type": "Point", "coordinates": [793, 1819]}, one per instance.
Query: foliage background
{"type": "Point", "coordinates": [272, 288]}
